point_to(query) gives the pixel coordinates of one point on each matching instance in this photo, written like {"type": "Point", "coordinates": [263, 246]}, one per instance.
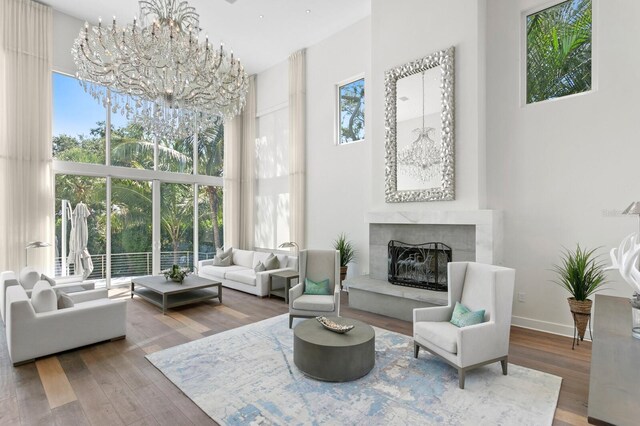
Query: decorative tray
{"type": "Point", "coordinates": [332, 326]}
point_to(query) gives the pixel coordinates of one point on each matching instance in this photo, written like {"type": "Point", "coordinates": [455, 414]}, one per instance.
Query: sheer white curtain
{"type": "Point", "coordinates": [232, 180]}
{"type": "Point", "coordinates": [247, 213]}
{"type": "Point", "coordinates": [26, 179]}
{"type": "Point", "coordinates": [297, 142]}
{"type": "Point", "coordinates": [239, 174]}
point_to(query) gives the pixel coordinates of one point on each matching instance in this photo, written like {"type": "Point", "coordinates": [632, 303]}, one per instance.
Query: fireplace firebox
{"type": "Point", "coordinates": [418, 265]}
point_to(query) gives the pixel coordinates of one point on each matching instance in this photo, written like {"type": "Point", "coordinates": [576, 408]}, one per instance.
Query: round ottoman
{"type": "Point", "coordinates": [324, 355]}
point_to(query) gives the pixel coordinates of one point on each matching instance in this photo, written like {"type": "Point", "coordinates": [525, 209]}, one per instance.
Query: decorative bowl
{"type": "Point", "coordinates": [332, 326]}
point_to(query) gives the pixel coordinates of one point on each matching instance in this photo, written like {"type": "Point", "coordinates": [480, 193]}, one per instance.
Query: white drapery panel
{"type": "Point", "coordinates": [232, 181]}
{"type": "Point", "coordinates": [26, 179]}
{"type": "Point", "coordinates": [247, 213]}
{"type": "Point", "coordinates": [239, 174]}
{"type": "Point", "coordinates": [297, 142]}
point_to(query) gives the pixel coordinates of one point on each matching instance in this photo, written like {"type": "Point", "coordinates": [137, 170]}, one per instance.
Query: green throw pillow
{"type": "Point", "coordinates": [320, 287]}
{"type": "Point", "coordinates": [463, 317]}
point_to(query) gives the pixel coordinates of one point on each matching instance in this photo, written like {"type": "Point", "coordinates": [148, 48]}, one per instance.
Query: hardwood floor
{"type": "Point", "coordinates": [113, 384]}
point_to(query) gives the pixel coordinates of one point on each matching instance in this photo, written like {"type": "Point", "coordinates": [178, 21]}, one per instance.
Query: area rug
{"type": "Point", "coordinates": [247, 376]}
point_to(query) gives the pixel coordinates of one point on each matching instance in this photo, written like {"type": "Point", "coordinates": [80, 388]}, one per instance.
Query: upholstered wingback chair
{"type": "Point", "coordinates": [317, 265]}
{"type": "Point", "coordinates": [477, 286]}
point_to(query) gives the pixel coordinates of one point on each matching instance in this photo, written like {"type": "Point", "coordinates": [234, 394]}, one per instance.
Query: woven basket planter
{"type": "Point", "coordinates": [581, 310]}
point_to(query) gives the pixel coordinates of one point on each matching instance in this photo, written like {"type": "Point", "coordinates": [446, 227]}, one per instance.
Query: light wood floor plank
{"type": "Point", "coordinates": [56, 385]}
{"type": "Point", "coordinates": [231, 312]}
{"type": "Point", "coordinates": [195, 325]}
{"type": "Point", "coordinates": [570, 418]}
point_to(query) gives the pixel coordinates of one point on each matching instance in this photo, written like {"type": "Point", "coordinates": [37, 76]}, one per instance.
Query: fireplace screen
{"type": "Point", "coordinates": [419, 265]}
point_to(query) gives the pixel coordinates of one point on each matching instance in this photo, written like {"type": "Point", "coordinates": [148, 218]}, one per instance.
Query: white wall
{"type": "Point", "coordinates": [562, 170]}
{"type": "Point", "coordinates": [338, 175]}
{"type": "Point", "coordinates": [406, 30]}
{"type": "Point", "coordinates": [272, 89]}
{"type": "Point", "coordinates": [65, 31]}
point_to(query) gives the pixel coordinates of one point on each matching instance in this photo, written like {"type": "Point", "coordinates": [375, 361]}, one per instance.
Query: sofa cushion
{"type": "Point", "coordinates": [43, 298]}
{"type": "Point", "coordinates": [219, 271]}
{"type": "Point", "coordinates": [64, 301]}
{"type": "Point", "coordinates": [291, 262]}
{"type": "Point", "coordinates": [50, 280]}
{"type": "Point", "coordinates": [259, 256]}
{"type": "Point", "coordinates": [271, 262]}
{"type": "Point", "coordinates": [246, 276]}
{"type": "Point", "coordinates": [313, 287]}
{"type": "Point", "coordinates": [243, 258]}
{"type": "Point", "coordinates": [221, 261]}
{"type": "Point", "coordinates": [313, 302]}
{"type": "Point", "coordinates": [259, 267]}
{"type": "Point", "coordinates": [28, 277]}
{"type": "Point", "coordinates": [224, 253]}
{"type": "Point", "coordinates": [442, 334]}
{"type": "Point", "coordinates": [464, 317]}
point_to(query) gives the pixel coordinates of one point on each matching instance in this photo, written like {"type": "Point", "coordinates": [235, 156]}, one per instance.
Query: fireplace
{"type": "Point", "coordinates": [418, 265]}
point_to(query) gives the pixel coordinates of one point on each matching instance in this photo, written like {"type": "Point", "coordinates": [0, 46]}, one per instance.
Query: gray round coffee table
{"type": "Point", "coordinates": [332, 357]}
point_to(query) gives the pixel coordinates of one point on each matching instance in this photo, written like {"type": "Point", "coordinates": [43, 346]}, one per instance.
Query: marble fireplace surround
{"type": "Point", "coordinates": [487, 223]}
{"type": "Point", "coordinates": [474, 235]}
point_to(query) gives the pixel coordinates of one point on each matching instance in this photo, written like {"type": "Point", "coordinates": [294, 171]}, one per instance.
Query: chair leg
{"type": "Point", "coordinates": [504, 365]}
{"type": "Point", "coordinates": [290, 321]}
{"type": "Point", "coordinates": [461, 378]}
{"type": "Point", "coordinates": [416, 349]}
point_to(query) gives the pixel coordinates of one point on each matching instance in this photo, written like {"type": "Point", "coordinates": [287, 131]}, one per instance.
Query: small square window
{"type": "Point", "coordinates": [351, 111]}
{"type": "Point", "coordinates": [559, 57]}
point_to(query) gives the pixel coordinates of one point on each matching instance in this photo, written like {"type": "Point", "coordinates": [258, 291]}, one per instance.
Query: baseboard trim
{"type": "Point", "coordinates": [545, 326]}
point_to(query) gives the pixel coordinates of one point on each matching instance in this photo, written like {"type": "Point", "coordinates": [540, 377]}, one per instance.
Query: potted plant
{"type": "Point", "coordinates": [176, 274]}
{"type": "Point", "coordinates": [581, 273]}
{"type": "Point", "coordinates": [347, 254]}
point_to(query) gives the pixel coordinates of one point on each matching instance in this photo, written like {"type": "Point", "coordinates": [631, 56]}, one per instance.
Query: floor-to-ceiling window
{"type": "Point", "coordinates": [272, 179]}
{"type": "Point", "coordinates": [152, 202]}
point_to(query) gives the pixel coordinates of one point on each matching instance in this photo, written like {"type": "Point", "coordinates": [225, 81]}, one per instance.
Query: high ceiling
{"type": "Point", "coordinates": [261, 33]}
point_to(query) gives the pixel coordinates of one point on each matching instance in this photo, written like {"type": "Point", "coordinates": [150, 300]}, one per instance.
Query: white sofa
{"type": "Point", "coordinates": [30, 334]}
{"type": "Point", "coordinates": [241, 274]}
{"type": "Point", "coordinates": [28, 278]}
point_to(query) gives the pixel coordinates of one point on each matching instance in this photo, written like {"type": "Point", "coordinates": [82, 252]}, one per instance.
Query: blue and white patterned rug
{"type": "Point", "coordinates": [247, 376]}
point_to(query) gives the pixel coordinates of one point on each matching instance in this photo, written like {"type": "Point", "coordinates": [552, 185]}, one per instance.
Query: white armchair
{"type": "Point", "coordinates": [477, 286]}
{"type": "Point", "coordinates": [317, 265]}
{"type": "Point", "coordinates": [35, 327]}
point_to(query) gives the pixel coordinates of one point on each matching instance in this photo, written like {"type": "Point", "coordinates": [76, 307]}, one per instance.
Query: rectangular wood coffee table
{"type": "Point", "coordinates": [167, 294]}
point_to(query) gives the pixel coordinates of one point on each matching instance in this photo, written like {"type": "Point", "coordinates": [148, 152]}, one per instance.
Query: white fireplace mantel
{"type": "Point", "coordinates": [488, 224]}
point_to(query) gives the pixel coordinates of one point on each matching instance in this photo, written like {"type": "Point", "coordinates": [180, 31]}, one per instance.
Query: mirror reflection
{"type": "Point", "coordinates": [419, 130]}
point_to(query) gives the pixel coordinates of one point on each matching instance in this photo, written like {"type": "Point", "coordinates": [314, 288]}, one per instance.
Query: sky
{"type": "Point", "coordinates": [76, 112]}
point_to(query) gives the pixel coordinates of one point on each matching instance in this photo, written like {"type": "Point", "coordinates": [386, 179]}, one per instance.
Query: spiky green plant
{"type": "Point", "coordinates": [344, 246]}
{"type": "Point", "coordinates": [581, 273]}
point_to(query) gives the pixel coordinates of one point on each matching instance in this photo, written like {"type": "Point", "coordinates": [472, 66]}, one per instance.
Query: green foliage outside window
{"type": "Point", "coordinates": [352, 111]}
{"type": "Point", "coordinates": [559, 51]}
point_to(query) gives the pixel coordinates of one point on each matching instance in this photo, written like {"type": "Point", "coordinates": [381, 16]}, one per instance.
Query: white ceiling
{"type": "Point", "coordinates": [259, 42]}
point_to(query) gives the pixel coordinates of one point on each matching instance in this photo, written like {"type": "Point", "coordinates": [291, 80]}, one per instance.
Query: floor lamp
{"type": "Point", "coordinates": [33, 244]}
{"type": "Point", "coordinates": [292, 244]}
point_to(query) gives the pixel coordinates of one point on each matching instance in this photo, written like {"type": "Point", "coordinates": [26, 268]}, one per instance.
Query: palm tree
{"type": "Point", "coordinates": [210, 163]}
{"type": "Point", "coordinates": [559, 51]}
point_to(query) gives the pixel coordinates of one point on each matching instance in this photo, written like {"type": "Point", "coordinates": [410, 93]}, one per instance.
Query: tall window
{"type": "Point", "coordinates": [559, 51]}
{"type": "Point", "coordinates": [153, 202]}
{"type": "Point", "coordinates": [272, 178]}
{"type": "Point", "coordinates": [351, 111]}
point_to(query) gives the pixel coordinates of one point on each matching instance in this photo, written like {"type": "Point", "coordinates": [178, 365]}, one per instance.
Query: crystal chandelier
{"type": "Point", "coordinates": [158, 73]}
{"type": "Point", "coordinates": [423, 157]}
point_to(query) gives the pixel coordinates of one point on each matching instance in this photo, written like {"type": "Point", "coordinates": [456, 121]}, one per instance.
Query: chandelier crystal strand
{"type": "Point", "coordinates": [159, 75]}
{"type": "Point", "coordinates": [423, 158]}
